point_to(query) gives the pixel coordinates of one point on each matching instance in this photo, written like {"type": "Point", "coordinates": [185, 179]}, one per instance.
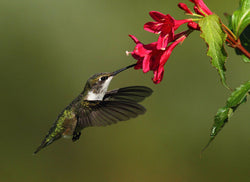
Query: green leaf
{"type": "Point", "coordinates": [245, 59]}
{"type": "Point", "coordinates": [220, 119]}
{"type": "Point", "coordinates": [238, 97]}
{"type": "Point", "coordinates": [214, 36]}
{"type": "Point", "coordinates": [241, 17]}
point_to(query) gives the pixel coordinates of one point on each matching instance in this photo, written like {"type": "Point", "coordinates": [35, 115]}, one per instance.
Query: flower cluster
{"type": "Point", "coordinates": [153, 56]}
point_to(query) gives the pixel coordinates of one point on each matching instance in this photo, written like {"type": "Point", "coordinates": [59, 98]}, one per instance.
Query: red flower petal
{"type": "Point", "coordinates": [198, 11]}
{"type": "Point", "coordinates": [202, 6]}
{"type": "Point", "coordinates": [138, 65]}
{"type": "Point", "coordinates": [153, 27]}
{"type": "Point", "coordinates": [150, 46]}
{"type": "Point", "coordinates": [134, 39]}
{"type": "Point", "coordinates": [162, 41]}
{"type": "Point", "coordinates": [146, 63]}
{"type": "Point", "coordinates": [193, 26]}
{"type": "Point", "coordinates": [158, 75]}
{"type": "Point", "coordinates": [185, 8]}
{"type": "Point", "coordinates": [139, 50]}
{"type": "Point", "coordinates": [157, 16]}
{"type": "Point", "coordinates": [150, 58]}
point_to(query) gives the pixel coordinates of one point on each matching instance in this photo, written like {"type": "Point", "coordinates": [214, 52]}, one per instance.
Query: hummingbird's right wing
{"type": "Point", "coordinates": [130, 94]}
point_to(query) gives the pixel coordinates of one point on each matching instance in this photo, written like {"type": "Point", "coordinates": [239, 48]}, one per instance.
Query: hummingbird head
{"type": "Point", "coordinates": [97, 85]}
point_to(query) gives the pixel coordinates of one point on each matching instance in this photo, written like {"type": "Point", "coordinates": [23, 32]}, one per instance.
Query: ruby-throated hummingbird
{"type": "Point", "coordinates": [96, 106]}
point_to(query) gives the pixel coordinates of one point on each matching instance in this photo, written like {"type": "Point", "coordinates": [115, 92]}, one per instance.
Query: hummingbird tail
{"type": "Point", "coordinates": [45, 143]}
{"type": "Point", "coordinates": [38, 149]}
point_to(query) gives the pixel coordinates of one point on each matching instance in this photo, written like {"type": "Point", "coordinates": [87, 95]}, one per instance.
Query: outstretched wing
{"type": "Point", "coordinates": [117, 105]}
{"type": "Point", "coordinates": [103, 113]}
{"type": "Point", "coordinates": [130, 94]}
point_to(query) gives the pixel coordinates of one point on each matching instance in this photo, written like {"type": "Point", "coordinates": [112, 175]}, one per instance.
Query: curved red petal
{"type": "Point", "coordinates": [198, 11]}
{"type": "Point", "coordinates": [140, 50]}
{"type": "Point", "coordinates": [185, 8]}
{"type": "Point", "coordinates": [157, 16]}
{"type": "Point", "coordinates": [202, 6]}
{"type": "Point", "coordinates": [153, 27]}
{"type": "Point", "coordinates": [158, 75]}
{"type": "Point", "coordinates": [162, 42]}
{"type": "Point", "coordinates": [134, 39]}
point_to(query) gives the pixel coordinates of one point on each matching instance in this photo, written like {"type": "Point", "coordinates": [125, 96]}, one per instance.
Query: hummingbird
{"type": "Point", "coordinates": [95, 106]}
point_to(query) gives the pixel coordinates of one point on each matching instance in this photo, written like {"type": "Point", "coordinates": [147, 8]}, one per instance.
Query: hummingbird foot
{"type": "Point", "coordinates": [76, 136]}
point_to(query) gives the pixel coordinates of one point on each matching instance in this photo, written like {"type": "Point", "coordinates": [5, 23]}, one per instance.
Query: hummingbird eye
{"type": "Point", "coordinates": [103, 78]}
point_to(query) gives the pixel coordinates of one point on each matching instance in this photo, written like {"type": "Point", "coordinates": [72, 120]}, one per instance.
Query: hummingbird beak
{"type": "Point", "coordinates": [120, 70]}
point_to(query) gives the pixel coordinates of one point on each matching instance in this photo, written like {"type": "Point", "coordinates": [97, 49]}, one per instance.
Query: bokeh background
{"type": "Point", "coordinates": [48, 49]}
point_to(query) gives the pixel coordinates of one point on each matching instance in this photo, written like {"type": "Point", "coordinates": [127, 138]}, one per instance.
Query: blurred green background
{"type": "Point", "coordinates": [49, 48]}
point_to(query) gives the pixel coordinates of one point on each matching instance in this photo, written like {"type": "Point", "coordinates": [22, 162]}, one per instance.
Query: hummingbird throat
{"type": "Point", "coordinates": [98, 94]}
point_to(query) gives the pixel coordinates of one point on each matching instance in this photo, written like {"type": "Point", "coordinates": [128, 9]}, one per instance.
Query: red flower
{"type": "Point", "coordinates": [165, 25]}
{"type": "Point", "coordinates": [193, 25]}
{"type": "Point", "coordinates": [154, 56]}
{"type": "Point", "coordinates": [201, 8]}
{"type": "Point", "coordinates": [150, 58]}
{"type": "Point", "coordinates": [185, 8]}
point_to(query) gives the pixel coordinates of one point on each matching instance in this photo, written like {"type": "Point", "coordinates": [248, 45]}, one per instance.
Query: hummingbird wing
{"type": "Point", "coordinates": [130, 94]}
{"type": "Point", "coordinates": [117, 105]}
{"type": "Point", "coordinates": [103, 113]}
